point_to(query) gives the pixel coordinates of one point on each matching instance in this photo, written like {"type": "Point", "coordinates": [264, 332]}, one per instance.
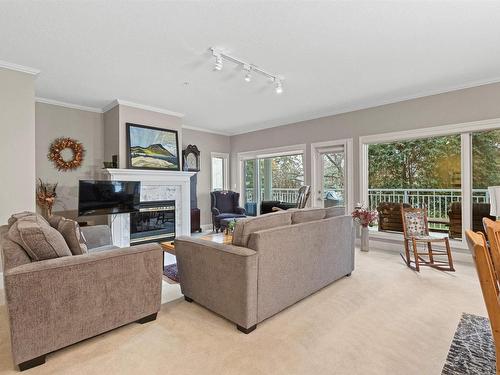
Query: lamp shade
{"type": "Point", "coordinates": [494, 192]}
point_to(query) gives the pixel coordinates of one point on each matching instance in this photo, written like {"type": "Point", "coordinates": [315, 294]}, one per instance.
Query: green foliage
{"type": "Point", "coordinates": [434, 162]}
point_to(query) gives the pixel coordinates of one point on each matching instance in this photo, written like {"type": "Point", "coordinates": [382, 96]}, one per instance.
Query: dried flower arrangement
{"type": "Point", "coordinates": [364, 217]}
{"type": "Point", "coordinates": [46, 196]}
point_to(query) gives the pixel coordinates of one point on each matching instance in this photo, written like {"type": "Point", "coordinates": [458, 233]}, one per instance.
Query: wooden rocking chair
{"type": "Point", "coordinates": [416, 231]}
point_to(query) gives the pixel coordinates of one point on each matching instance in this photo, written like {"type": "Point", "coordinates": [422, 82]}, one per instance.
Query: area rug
{"type": "Point", "coordinates": [171, 272]}
{"type": "Point", "coordinates": [472, 350]}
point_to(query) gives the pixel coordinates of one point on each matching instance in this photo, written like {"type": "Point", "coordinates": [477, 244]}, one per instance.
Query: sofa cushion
{"type": "Point", "coordinates": [15, 217]}
{"type": "Point", "coordinates": [54, 221]}
{"type": "Point", "coordinates": [70, 230]}
{"type": "Point", "coordinates": [245, 227]}
{"type": "Point", "coordinates": [38, 239]}
{"type": "Point", "coordinates": [334, 211]}
{"type": "Point", "coordinates": [305, 215]}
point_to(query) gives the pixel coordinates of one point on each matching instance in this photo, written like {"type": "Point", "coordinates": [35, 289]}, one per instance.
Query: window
{"type": "Point", "coordinates": [446, 169]}
{"type": "Point", "coordinates": [271, 175]}
{"type": "Point", "coordinates": [220, 171]}
{"type": "Point", "coordinates": [421, 173]}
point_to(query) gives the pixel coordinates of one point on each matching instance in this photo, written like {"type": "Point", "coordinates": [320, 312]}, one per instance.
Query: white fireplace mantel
{"type": "Point", "coordinates": [155, 185]}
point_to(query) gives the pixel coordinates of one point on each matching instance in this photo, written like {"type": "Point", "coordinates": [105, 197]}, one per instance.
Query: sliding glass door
{"type": "Point", "coordinates": [272, 179]}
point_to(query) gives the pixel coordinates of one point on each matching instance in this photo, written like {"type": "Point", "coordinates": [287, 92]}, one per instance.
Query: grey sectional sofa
{"type": "Point", "coordinates": [57, 302]}
{"type": "Point", "coordinates": [275, 260]}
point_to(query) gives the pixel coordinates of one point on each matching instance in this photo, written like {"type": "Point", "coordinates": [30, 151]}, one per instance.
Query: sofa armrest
{"type": "Point", "coordinates": [97, 235]}
{"type": "Point", "coordinates": [221, 277]}
{"type": "Point", "coordinates": [215, 211]}
{"type": "Point", "coordinates": [57, 302]}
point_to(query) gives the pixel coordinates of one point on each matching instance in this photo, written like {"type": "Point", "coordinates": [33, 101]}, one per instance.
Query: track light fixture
{"type": "Point", "coordinates": [248, 68]}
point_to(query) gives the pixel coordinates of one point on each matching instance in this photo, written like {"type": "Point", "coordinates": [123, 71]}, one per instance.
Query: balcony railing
{"type": "Point", "coordinates": [437, 201]}
{"type": "Point", "coordinates": [285, 194]}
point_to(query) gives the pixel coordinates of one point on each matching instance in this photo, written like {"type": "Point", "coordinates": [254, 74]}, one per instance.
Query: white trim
{"type": "Point", "coordinates": [274, 151]}
{"type": "Point", "coordinates": [466, 181]}
{"type": "Point", "coordinates": [116, 102]}
{"type": "Point", "coordinates": [206, 227]}
{"type": "Point", "coordinates": [67, 105]}
{"type": "Point", "coordinates": [347, 145]}
{"type": "Point", "coordinates": [19, 68]}
{"type": "Point", "coordinates": [195, 128]}
{"type": "Point", "coordinates": [225, 169]}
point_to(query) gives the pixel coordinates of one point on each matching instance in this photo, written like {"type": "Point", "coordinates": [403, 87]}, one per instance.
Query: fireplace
{"type": "Point", "coordinates": [155, 222]}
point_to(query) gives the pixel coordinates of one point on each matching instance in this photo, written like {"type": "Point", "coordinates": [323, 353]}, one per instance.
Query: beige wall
{"type": "Point", "coordinates": [87, 127]}
{"type": "Point", "coordinates": [207, 143]}
{"type": "Point", "coordinates": [111, 133]}
{"type": "Point", "coordinates": [473, 104]}
{"type": "Point", "coordinates": [17, 142]}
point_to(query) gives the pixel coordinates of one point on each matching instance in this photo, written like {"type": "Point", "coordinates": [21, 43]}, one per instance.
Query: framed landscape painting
{"type": "Point", "coordinates": [152, 148]}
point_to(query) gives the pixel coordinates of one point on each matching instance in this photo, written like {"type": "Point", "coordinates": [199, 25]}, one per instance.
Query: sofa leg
{"type": "Point", "coordinates": [188, 299]}
{"type": "Point", "coordinates": [32, 363]}
{"type": "Point", "coordinates": [147, 319]}
{"type": "Point", "coordinates": [349, 274]}
{"type": "Point", "coordinates": [246, 331]}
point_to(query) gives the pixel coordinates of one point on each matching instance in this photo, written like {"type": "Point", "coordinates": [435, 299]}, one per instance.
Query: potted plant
{"type": "Point", "coordinates": [364, 217]}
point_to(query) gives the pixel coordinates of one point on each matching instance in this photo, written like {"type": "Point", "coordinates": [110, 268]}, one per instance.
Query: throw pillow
{"type": "Point", "coordinates": [70, 230]}
{"type": "Point", "coordinates": [38, 239]}
{"type": "Point", "coordinates": [20, 215]}
{"type": "Point", "coordinates": [54, 221]}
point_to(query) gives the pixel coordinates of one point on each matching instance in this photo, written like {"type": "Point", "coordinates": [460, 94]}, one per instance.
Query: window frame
{"type": "Point", "coordinates": [225, 169]}
{"type": "Point", "coordinates": [465, 130]}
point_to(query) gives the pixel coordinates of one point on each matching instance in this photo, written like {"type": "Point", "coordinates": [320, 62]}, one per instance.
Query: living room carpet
{"type": "Point", "coordinates": [171, 272]}
{"type": "Point", "coordinates": [472, 350]}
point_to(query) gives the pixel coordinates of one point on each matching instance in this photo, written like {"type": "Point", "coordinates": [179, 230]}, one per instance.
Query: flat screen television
{"type": "Point", "coordinates": [108, 197]}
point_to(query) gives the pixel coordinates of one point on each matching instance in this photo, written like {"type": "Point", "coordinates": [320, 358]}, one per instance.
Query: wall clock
{"type": "Point", "coordinates": [191, 156]}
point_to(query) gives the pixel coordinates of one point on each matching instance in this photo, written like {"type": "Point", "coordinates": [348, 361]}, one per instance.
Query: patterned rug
{"type": "Point", "coordinates": [171, 272]}
{"type": "Point", "coordinates": [472, 350]}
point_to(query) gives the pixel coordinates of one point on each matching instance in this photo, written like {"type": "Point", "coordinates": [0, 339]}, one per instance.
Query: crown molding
{"type": "Point", "coordinates": [19, 68]}
{"type": "Point", "coordinates": [68, 105]}
{"type": "Point", "coordinates": [195, 128]}
{"type": "Point", "coordinates": [116, 102]}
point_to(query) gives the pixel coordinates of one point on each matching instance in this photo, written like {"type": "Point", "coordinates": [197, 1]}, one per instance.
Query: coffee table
{"type": "Point", "coordinates": [169, 246]}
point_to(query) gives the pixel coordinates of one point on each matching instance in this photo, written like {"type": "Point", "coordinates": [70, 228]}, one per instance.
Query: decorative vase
{"type": "Point", "coordinates": [365, 239]}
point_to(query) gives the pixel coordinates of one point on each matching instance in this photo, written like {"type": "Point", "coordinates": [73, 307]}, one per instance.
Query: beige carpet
{"type": "Point", "coordinates": [384, 319]}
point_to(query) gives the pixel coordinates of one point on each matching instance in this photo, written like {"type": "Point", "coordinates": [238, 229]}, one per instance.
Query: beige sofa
{"type": "Point", "coordinates": [57, 302]}
{"type": "Point", "coordinates": [275, 260]}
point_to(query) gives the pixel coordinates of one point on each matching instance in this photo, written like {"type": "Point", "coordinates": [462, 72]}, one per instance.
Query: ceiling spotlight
{"type": "Point", "coordinates": [218, 62]}
{"type": "Point", "coordinates": [279, 86]}
{"type": "Point", "coordinates": [248, 73]}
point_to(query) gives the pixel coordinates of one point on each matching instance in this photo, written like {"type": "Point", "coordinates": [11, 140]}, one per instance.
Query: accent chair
{"type": "Point", "coordinates": [225, 205]}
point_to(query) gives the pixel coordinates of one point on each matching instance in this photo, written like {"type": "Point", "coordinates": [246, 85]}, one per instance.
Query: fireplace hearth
{"type": "Point", "coordinates": [155, 222]}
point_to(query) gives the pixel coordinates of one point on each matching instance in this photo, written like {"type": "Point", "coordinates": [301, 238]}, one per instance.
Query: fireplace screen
{"type": "Point", "coordinates": [155, 222]}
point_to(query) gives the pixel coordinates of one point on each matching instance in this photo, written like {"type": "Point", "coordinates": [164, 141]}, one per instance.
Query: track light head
{"type": "Point", "coordinates": [278, 86]}
{"type": "Point", "coordinates": [248, 73]}
{"type": "Point", "coordinates": [218, 62]}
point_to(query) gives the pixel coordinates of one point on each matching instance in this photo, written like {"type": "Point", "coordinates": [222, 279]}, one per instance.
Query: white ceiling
{"type": "Point", "coordinates": [335, 56]}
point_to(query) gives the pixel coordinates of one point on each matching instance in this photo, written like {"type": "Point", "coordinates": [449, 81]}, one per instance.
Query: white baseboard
{"type": "Point", "coordinates": [206, 227]}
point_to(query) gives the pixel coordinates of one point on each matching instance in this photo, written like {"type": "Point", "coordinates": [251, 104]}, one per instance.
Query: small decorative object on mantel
{"type": "Point", "coordinates": [191, 158]}
{"type": "Point", "coordinates": [364, 217]}
{"type": "Point", "coordinates": [46, 196]}
{"type": "Point", "coordinates": [111, 164]}
{"type": "Point", "coordinates": [64, 163]}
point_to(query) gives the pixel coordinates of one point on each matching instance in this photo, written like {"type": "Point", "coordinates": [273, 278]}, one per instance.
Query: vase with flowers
{"type": "Point", "coordinates": [365, 218]}
{"type": "Point", "coordinates": [46, 196]}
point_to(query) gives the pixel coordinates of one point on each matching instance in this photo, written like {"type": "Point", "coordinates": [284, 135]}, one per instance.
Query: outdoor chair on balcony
{"type": "Point", "coordinates": [479, 211]}
{"type": "Point", "coordinates": [416, 232]}
{"type": "Point", "coordinates": [272, 206]}
{"type": "Point", "coordinates": [389, 216]}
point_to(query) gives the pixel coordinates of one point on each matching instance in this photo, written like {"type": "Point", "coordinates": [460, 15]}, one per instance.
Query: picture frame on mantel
{"type": "Point", "coordinates": [149, 147]}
